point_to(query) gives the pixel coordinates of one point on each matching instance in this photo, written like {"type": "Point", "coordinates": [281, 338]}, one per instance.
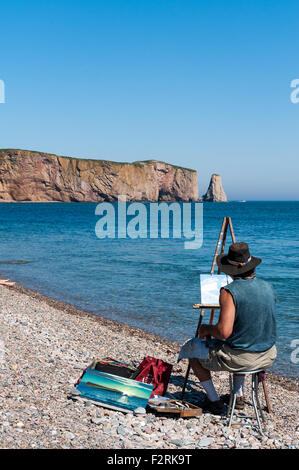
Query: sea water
{"type": "Point", "coordinates": [150, 283]}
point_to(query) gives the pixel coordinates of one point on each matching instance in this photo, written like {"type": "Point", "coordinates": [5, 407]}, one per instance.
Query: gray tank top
{"type": "Point", "coordinates": [255, 326]}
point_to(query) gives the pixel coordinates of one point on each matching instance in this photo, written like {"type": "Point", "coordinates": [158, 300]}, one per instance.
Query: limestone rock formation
{"type": "Point", "coordinates": [36, 176]}
{"type": "Point", "coordinates": [215, 192]}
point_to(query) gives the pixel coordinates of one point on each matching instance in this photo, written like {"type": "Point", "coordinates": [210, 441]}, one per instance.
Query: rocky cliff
{"type": "Point", "coordinates": [215, 192]}
{"type": "Point", "coordinates": [36, 176]}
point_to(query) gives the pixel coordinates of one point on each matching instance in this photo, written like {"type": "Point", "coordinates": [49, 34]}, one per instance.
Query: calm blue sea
{"type": "Point", "coordinates": [149, 283]}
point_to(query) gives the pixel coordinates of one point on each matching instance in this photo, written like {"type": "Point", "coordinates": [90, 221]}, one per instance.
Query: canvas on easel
{"type": "Point", "coordinates": [210, 285]}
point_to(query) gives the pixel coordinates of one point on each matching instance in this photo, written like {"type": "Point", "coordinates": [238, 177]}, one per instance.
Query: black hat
{"type": "Point", "coordinates": [238, 260]}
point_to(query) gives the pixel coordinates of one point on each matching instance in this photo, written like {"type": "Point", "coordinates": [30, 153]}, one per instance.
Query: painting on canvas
{"type": "Point", "coordinates": [210, 285]}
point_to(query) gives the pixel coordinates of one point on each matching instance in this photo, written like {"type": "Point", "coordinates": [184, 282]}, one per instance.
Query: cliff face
{"type": "Point", "coordinates": [34, 176]}
{"type": "Point", "coordinates": [215, 192]}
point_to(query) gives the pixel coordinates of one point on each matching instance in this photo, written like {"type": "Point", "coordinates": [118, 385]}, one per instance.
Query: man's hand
{"type": "Point", "coordinates": [205, 330]}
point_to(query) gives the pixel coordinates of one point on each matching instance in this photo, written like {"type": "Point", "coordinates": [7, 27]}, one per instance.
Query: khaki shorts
{"type": "Point", "coordinates": [234, 360]}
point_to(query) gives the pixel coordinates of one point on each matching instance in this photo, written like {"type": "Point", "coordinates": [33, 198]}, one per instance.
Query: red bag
{"type": "Point", "coordinates": [156, 372]}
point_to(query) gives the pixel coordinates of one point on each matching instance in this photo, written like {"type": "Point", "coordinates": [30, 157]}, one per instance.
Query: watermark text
{"type": "Point", "coordinates": [151, 220]}
{"type": "Point", "coordinates": [2, 92]}
{"type": "Point", "coordinates": [295, 354]}
{"type": "Point", "coordinates": [295, 93]}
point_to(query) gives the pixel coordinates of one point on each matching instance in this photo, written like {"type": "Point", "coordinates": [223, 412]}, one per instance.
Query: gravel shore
{"type": "Point", "coordinates": [45, 345]}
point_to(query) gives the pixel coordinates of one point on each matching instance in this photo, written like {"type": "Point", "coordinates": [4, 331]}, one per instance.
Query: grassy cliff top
{"type": "Point", "coordinates": [136, 163]}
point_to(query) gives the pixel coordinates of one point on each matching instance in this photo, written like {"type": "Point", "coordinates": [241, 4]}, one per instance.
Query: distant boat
{"type": "Point", "coordinates": [243, 200]}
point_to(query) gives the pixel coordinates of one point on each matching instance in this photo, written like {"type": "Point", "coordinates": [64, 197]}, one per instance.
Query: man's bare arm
{"type": "Point", "coordinates": [223, 329]}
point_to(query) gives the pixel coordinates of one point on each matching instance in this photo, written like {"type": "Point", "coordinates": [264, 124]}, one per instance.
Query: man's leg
{"type": "Point", "coordinates": [239, 384]}
{"type": "Point", "coordinates": [204, 376]}
{"type": "Point", "coordinates": [201, 373]}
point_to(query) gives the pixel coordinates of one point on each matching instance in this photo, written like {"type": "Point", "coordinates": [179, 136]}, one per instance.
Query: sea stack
{"type": "Point", "coordinates": [215, 192]}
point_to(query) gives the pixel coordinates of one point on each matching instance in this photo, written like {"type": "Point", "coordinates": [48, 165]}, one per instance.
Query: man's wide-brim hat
{"type": "Point", "coordinates": [238, 260]}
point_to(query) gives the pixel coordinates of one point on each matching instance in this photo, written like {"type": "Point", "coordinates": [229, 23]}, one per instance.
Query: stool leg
{"type": "Point", "coordinates": [232, 410]}
{"type": "Point", "coordinates": [253, 395]}
{"type": "Point", "coordinates": [257, 397]}
{"type": "Point", "coordinates": [230, 394]}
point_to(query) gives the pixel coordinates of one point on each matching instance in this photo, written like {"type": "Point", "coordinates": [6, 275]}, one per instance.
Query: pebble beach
{"type": "Point", "coordinates": [46, 344]}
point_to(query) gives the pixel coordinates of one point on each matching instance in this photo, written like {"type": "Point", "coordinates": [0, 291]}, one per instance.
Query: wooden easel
{"type": "Point", "coordinates": [221, 243]}
{"type": "Point", "coordinates": [226, 224]}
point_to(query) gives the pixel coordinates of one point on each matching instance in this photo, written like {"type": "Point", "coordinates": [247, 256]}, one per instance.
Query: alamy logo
{"type": "Point", "coordinates": [151, 220]}
{"type": "Point", "coordinates": [295, 353]}
{"type": "Point", "coordinates": [295, 93]}
{"type": "Point", "coordinates": [2, 92]}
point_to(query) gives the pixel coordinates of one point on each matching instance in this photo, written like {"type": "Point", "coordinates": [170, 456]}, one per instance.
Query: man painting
{"type": "Point", "coordinates": [245, 334]}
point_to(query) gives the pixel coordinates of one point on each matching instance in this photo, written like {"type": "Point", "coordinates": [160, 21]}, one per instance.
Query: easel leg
{"type": "Point", "coordinates": [223, 228]}
{"type": "Point", "coordinates": [231, 230]}
{"type": "Point", "coordinates": [185, 382]}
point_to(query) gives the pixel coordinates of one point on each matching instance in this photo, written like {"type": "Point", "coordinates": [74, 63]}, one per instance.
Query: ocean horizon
{"type": "Point", "coordinates": [149, 283]}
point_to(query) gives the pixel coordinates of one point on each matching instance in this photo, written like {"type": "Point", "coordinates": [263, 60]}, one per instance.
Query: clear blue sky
{"type": "Point", "coordinates": [202, 84]}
